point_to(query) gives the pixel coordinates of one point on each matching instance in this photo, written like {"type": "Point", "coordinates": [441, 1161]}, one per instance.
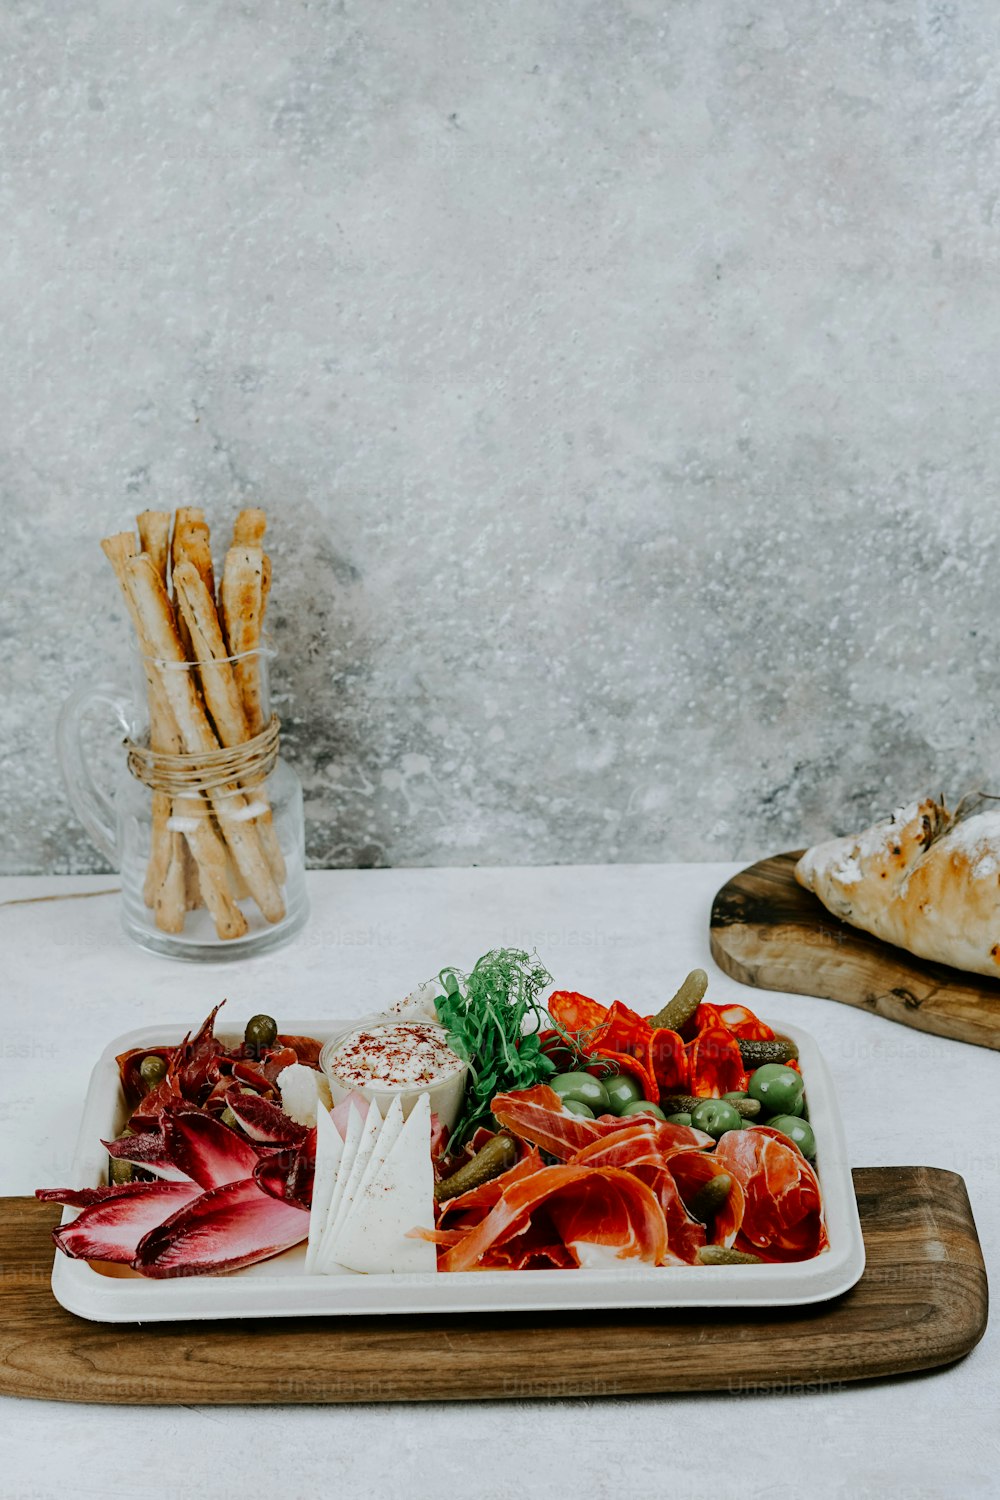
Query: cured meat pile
{"type": "Point", "coordinates": [626, 1187]}
{"type": "Point", "coordinates": [635, 1187]}
{"type": "Point", "coordinates": [212, 1196]}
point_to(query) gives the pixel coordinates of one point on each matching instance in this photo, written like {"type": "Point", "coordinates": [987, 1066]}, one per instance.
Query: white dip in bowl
{"type": "Point", "coordinates": [391, 1057]}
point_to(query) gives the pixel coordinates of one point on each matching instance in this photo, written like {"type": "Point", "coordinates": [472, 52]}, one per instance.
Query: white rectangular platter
{"type": "Point", "coordinates": [280, 1287]}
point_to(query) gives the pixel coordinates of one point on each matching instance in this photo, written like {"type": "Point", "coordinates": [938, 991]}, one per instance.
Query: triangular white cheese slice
{"type": "Point", "coordinates": [397, 1198]}
{"type": "Point", "coordinates": [387, 1137]}
{"type": "Point", "coordinates": [352, 1140]}
{"type": "Point", "coordinates": [329, 1155]}
{"type": "Point", "coordinates": [369, 1133]}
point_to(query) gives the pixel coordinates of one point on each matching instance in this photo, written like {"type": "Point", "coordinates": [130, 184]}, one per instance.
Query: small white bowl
{"type": "Point", "coordinates": [446, 1093]}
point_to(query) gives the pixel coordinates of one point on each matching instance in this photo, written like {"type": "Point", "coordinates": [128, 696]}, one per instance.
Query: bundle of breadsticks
{"type": "Point", "coordinates": [217, 845]}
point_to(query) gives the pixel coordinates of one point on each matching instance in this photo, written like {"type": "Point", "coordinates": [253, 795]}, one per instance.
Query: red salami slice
{"type": "Point", "coordinates": [715, 1064]}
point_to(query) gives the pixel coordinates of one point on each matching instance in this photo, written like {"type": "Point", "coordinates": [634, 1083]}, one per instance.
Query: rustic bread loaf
{"type": "Point", "coordinates": [922, 880]}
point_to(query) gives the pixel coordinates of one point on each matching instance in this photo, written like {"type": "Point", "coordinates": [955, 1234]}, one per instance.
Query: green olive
{"type": "Point", "coordinates": [261, 1031]}
{"type": "Point", "coordinates": [681, 1118]}
{"type": "Point", "coordinates": [577, 1107]}
{"type": "Point", "coordinates": [583, 1087]}
{"type": "Point", "coordinates": [778, 1088]}
{"type": "Point", "coordinates": [799, 1131]}
{"type": "Point", "coordinates": [621, 1090]}
{"type": "Point", "coordinates": [643, 1107]}
{"type": "Point", "coordinates": [715, 1117]}
{"type": "Point", "coordinates": [152, 1070]}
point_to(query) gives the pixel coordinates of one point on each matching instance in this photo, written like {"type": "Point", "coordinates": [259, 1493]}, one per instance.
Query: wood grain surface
{"type": "Point", "coordinates": [921, 1303]}
{"type": "Point", "coordinates": [768, 932]}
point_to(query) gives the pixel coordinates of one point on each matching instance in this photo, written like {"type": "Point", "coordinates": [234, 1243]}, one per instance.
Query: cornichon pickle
{"type": "Point", "coordinates": [718, 1255]}
{"type": "Point", "coordinates": [710, 1197]}
{"type": "Point", "coordinates": [679, 1104]}
{"type": "Point", "coordinates": [683, 1104]}
{"type": "Point", "coordinates": [744, 1105]}
{"type": "Point", "coordinates": [498, 1155]}
{"type": "Point", "coordinates": [121, 1171]}
{"type": "Point", "coordinates": [755, 1054]}
{"type": "Point", "coordinates": [684, 1004]}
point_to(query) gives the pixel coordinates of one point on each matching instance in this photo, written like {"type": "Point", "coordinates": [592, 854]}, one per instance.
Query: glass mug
{"type": "Point", "coordinates": [211, 846]}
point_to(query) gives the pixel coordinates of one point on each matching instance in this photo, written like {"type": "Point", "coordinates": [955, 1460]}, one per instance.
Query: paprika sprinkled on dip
{"type": "Point", "coordinates": [381, 1059]}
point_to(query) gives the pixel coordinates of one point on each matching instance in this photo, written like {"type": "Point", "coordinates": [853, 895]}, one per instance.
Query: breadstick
{"type": "Point", "coordinates": [154, 537]}
{"type": "Point", "coordinates": [192, 543]}
{"type": "Point", "coordinates": [167, 874]}
{"type": "Point", "coordinates": [249, 527]}
{"type": "Point", "coordinates": [169, 898]}
{"type": "Point", "coordinates": [210, 856]}
{"type": "Point", "coordinates": [240, 598]}
{"type": "Point", "coordinates": [192, 884]}
{"type": "Point", "coordinates": [222, 696]}
{"type": "Point", "coordinates": [160, 633]}
{"type": "Point", "coordinates": [163, 736]}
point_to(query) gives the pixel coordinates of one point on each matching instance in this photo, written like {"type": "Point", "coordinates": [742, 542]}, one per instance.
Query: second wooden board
{"type": "Point", "coordinates": [768, 932]}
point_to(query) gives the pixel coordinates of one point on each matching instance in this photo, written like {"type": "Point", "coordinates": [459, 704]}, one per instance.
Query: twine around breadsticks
{"type": "Point", "coordinates": [186, 775]}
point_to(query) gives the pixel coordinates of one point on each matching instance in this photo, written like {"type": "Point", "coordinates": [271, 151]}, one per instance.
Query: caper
{"type": "Point", "coordinates": [152, 1070]}
{"type": "Point", "coordinates": [261, 1031]}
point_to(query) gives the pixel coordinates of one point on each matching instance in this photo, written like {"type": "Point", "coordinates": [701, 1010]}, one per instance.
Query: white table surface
{"type": "Point", "coordinates": [71, 981]}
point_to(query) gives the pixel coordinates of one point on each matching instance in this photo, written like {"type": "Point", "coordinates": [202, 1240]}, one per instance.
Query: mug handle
{"type": "Point", "coordinates": [92, 805]}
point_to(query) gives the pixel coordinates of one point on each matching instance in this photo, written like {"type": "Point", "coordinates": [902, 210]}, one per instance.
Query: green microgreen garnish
{"type": "Point", "coordinates": [493, 1017]}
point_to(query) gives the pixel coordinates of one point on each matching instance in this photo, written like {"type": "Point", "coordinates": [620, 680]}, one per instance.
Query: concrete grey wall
{"type": "Point", "coordinates": [620, 378]}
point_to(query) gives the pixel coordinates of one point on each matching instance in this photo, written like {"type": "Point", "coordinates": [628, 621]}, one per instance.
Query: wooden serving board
{"type": "Point", "coordinates": [922, 1302]}
{"type": "Point", "coordinates": [769, 932]}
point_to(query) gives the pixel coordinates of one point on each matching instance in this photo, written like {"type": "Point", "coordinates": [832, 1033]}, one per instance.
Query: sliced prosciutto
{"type": "Point", "coordinates": [112, 1227]}
{"type": "Point", "coordinates": [783, 1213]}
{"type": "Point", "coordinates": [636, 1148]}
{"type": "Point", "coordinates": [473, 1206]}
{"type": "Point", "coordinates": [538, 1115]}
{"type": "Point", "coordinates": [586, 1205]}
{"type": "Point", "coordinates": [693, 1170]}
{"type": "Point", "coordinates": [225, 1229]}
